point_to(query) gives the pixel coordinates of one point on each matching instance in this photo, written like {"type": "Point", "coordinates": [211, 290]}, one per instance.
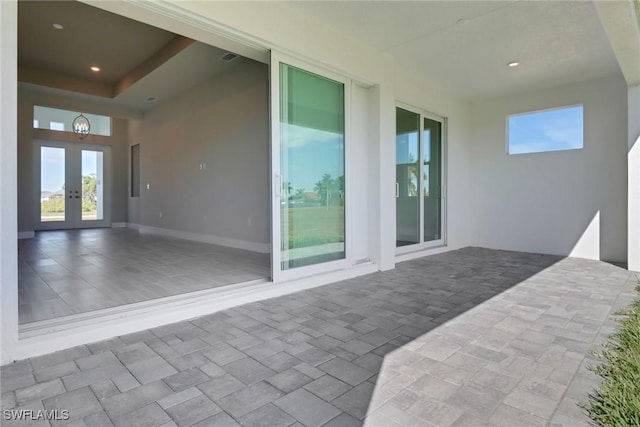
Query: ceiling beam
{"type": "Point", "coordinates": [622, 25]}
{"type": "Point", "coordinates": [171, 49]}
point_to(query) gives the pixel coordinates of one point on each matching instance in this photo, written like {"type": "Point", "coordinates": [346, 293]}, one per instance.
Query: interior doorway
{"type": "Point", "coordinates": [107, 228]}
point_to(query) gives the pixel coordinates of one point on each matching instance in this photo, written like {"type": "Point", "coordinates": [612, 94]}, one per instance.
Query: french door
{"type": "Point", "coordinates": [420, 159]}
{"type": "Point", "coordinates": [308, 157]}
{"type": "Point", "coordinates": [73, 183]}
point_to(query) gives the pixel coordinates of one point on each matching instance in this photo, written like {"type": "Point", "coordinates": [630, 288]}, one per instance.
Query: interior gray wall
{"type": "Point", "coordinates": [26, 185]}
{"type": "Point", "coordinates": [222, 123]}
{"type": "Point", "coordinates": [565, 202]}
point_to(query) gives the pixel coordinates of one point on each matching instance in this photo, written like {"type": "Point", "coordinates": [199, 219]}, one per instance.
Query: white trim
{"type": "Point", "coordinates": [8, 180]}
{"type": "Point", "coordinates": [422, 252]}
{"type": "Point", "coordinates": [204, 238]}
{"type": "Point", "coordinates": [633, 179]}
{"type": "Point", "coordinates": [119, 225]}
{"type": "Point", "coordinates": [26, 234]}
{"type": "Point", "coordinates": [42, 338]}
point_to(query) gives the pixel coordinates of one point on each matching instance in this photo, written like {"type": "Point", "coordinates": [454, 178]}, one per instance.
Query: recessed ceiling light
{"type": "Point", "coordinates": [95, 69]}
{"type": "Point", "coordinates": [513, 64]}
{"type": "Point", "coordinates": [58, 26]}
{"type": "Point", "coordinates": [463, 21]}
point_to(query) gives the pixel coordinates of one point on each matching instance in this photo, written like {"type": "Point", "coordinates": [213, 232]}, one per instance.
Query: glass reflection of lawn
{"type": "Point", "coordinates": [314, 218]}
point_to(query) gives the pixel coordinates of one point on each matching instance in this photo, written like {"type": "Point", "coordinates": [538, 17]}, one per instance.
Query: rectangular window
{"type": "Point", "coordinates": [550, 130]}
{"type": "Point", "coordinates": [135, 170]}
{"type": "Point", "coordinates": [61, 120]}
{"type": "Point", "coordinates": [56, 126]}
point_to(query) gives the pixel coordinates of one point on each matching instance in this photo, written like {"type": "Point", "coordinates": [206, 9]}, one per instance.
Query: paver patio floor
{"type": "Point", "coordinates": [471, 337]}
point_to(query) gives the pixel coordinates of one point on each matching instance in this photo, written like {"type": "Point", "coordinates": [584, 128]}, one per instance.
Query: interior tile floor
{"type": "Point", "coordinates": [472, 337]}
{"type": "Point", "coordinates": [76, 271]}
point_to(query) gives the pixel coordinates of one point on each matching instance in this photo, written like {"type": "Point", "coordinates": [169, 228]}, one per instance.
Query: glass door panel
{"type": "Point", "coordinates": [312, 168]}
{"type": "Point", "coordinates": [74, 182]}
{"type": "Point", "coordinates": [52, 184]}
{"type": "Point", "coordinates": [419, 180]}
{"type": "Point", "coordinates": [407, 177]}
{"type": "Point", "coordinates": [92, 185]}
{"type": "Point", "coordinates": [432, 180]}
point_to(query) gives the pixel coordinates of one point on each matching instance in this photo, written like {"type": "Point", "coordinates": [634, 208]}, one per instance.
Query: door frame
{"type": "Point", "coordinates": [277, 273]}
{"type": "Point", "coordinates": [421, 245]}
{"type": "Point", "coordinates": [73, 152]}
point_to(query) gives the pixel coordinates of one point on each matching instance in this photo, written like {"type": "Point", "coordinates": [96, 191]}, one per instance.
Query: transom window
{"type": "Point", "coordinates": [61, 120]}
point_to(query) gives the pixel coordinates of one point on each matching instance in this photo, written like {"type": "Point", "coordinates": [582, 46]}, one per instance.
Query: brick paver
{"type": "Point", "coordinates": [470, 337]}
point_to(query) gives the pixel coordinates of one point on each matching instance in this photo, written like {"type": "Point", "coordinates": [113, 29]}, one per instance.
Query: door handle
{"type": "Point", "coordinates": [278, 185]}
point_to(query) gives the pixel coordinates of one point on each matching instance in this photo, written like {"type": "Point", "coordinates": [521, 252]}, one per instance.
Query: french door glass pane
{"type": "Point", "coordinates": [312, 167]}
{"type": "Point", "coordinates": [432, 180]}
{"type": "Point", "coordinates": [92, 185]}
{"type": "Point", "coordinates": [52, 184]}
{"type": "Point", "coordinates": [407, 177]}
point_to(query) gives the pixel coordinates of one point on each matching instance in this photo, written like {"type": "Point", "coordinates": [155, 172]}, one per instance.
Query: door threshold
{"type": "Point", "coordinates": [47, 336]}
{"type": "Point", "coordinates": [31, 329]}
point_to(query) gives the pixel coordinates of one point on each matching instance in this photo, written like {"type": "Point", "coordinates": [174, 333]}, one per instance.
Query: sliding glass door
{"type": "Point", "coordinates": [419, 180]}
{"type": "Point", "coordinates": [308, 162]}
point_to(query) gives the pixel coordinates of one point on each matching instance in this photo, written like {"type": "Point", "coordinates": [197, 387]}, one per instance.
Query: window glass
{"type": "Point", "coordinates": [312, 120]}
{"type": "Point", "coordinates": [551, 130]}
{"type": "Point", "coordinates": [62, 120]}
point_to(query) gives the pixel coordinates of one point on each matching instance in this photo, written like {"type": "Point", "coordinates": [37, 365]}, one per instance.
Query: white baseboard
{"type": "Point", "coordinates": [26, 234]}
{"type": "Point", "coordinates": [424, 252]}
{"type": "Point", "coordinates": [263, 248]}
{"type": "Point", "coordinates": [119, 225]}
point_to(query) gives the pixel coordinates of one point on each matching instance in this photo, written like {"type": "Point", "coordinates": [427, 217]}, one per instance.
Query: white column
{"type": "Point", "coordinates": [8, 181]}
{"type": "Point", "coordinates": [382, 226]}
{"type": "Point", "coordinates": [633, 250]}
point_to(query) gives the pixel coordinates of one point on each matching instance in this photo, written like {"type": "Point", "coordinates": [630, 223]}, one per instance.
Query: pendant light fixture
{"type": "Point", "coordinates": [81, 126]}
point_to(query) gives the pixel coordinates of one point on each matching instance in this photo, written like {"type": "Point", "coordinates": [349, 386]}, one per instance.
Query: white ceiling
{"type": "Point", "coordinates": [556, 42]}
